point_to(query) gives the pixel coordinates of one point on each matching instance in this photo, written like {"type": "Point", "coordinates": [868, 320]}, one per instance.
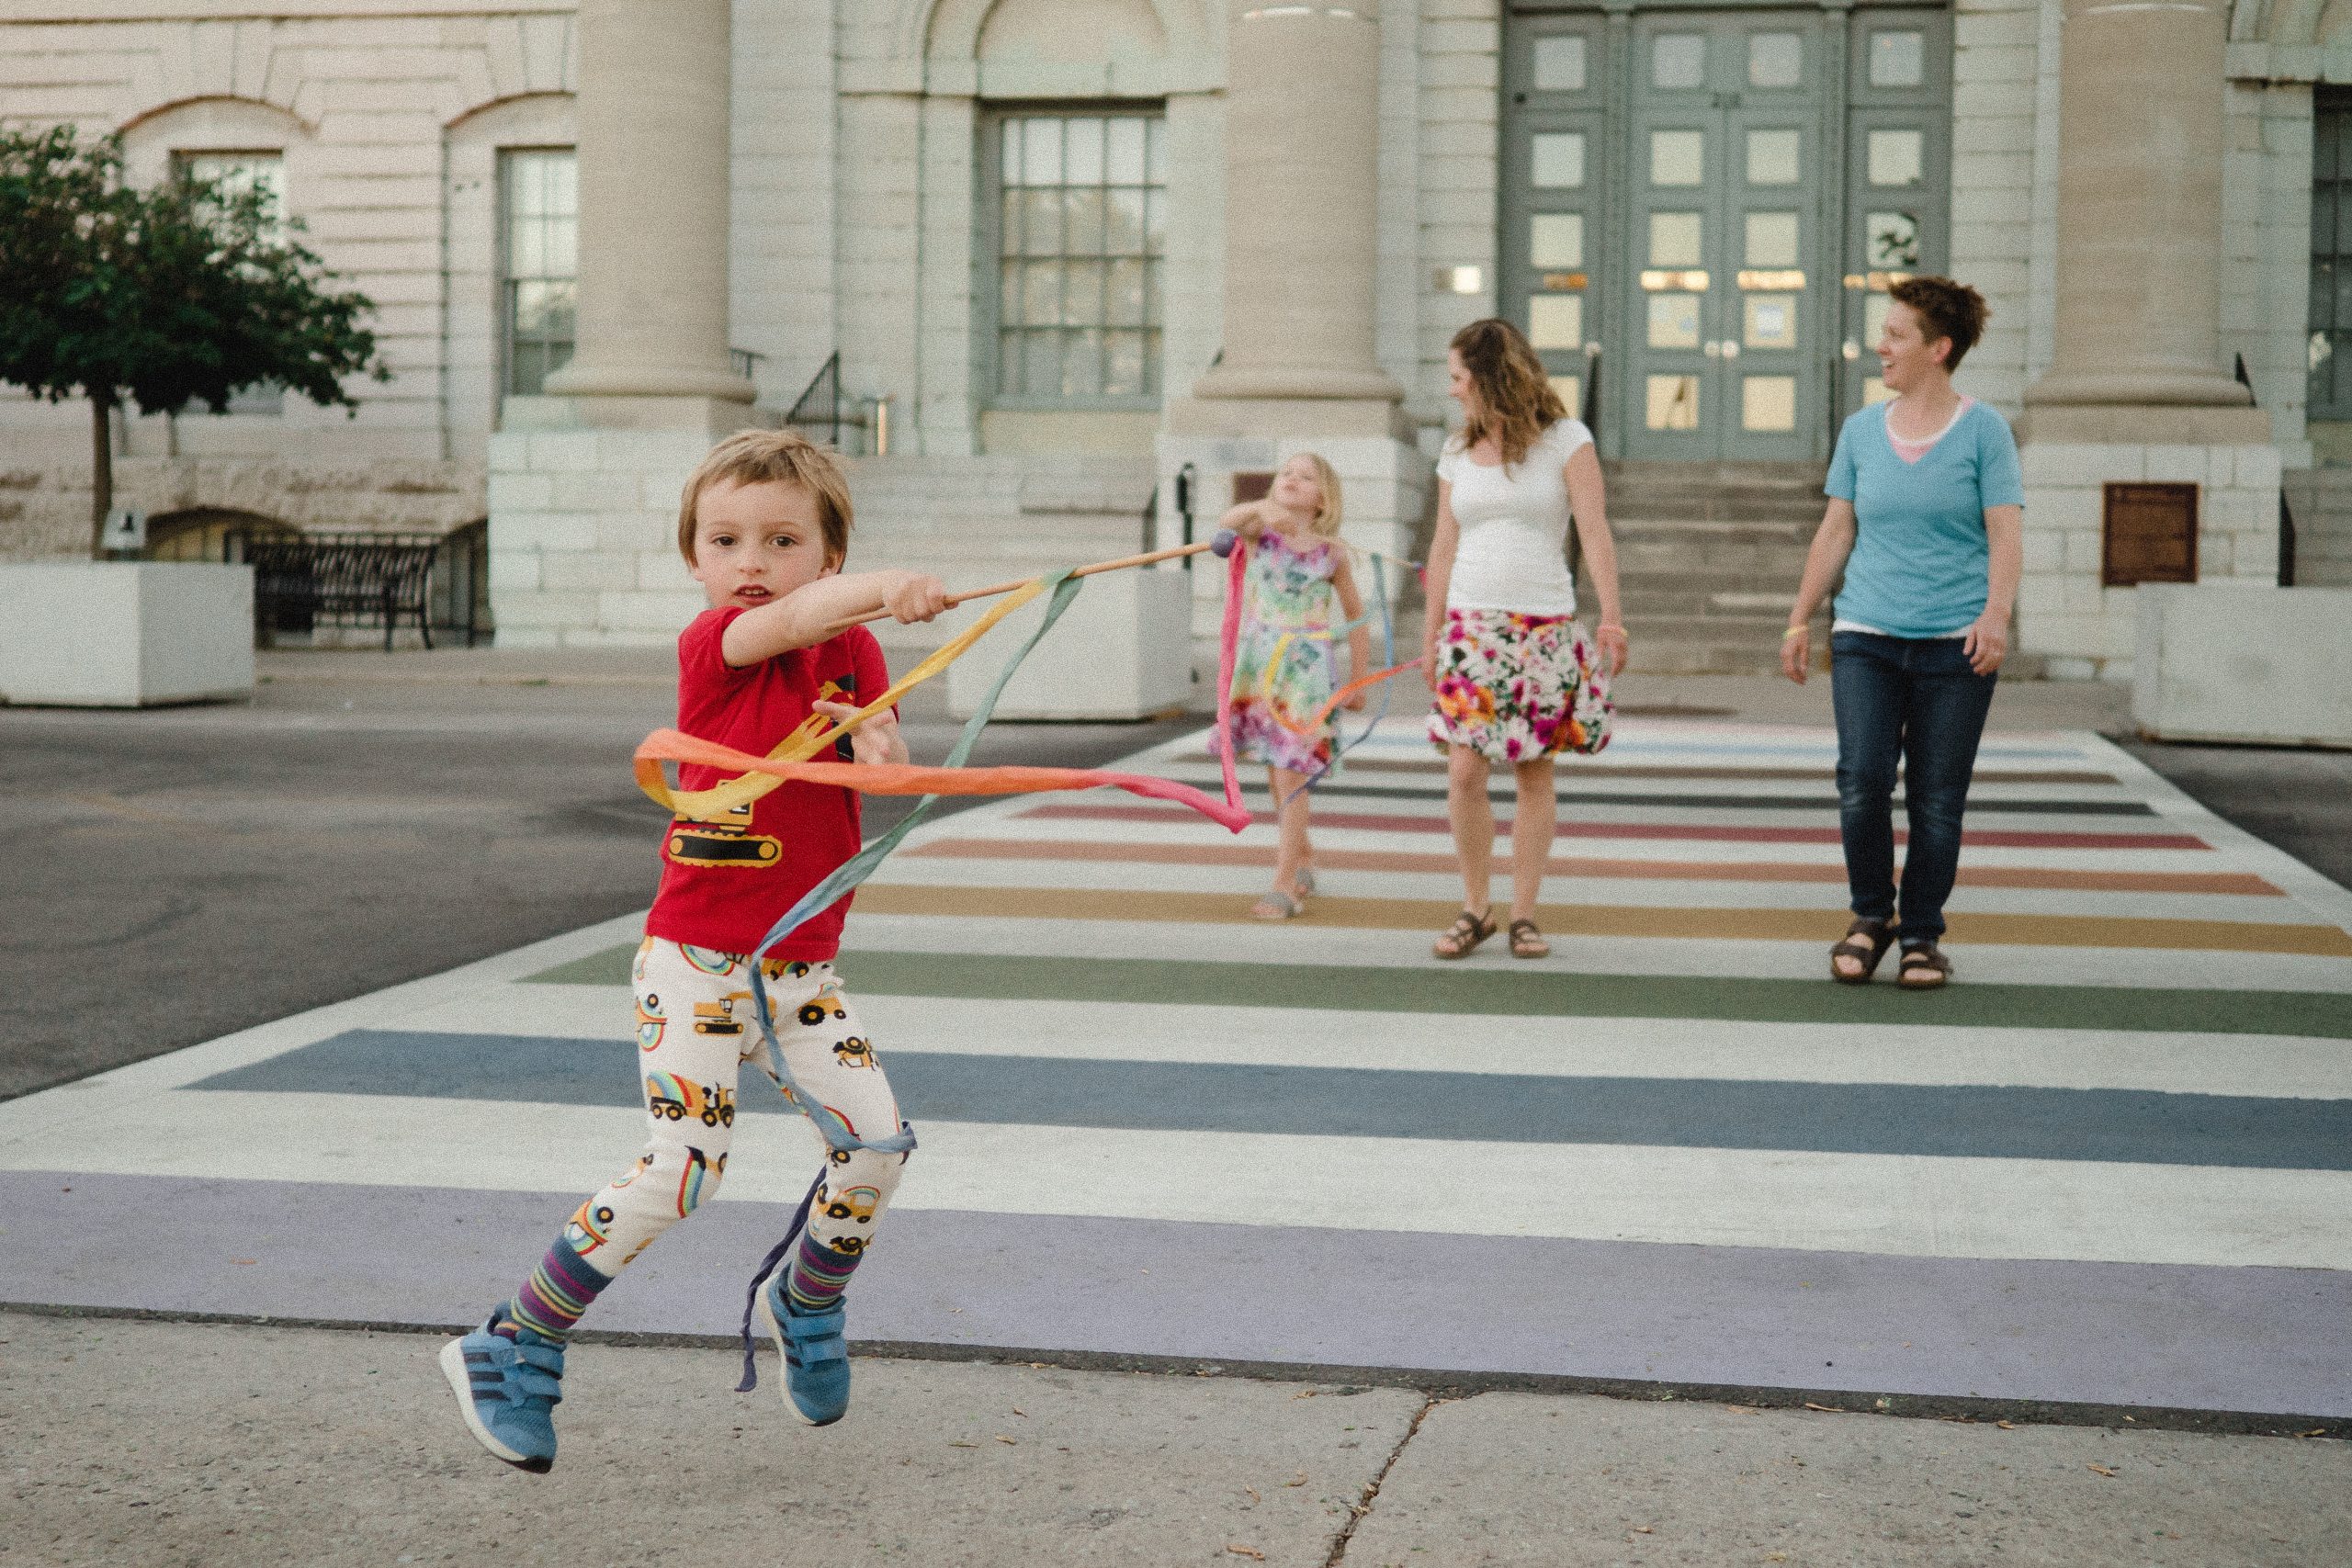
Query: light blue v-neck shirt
{"type": "Point", "coordinates": [1921, 561]}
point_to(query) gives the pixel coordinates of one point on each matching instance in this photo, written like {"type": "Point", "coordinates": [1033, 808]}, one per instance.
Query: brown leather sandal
{"type": "Point", "coordinates": [1526, 941]}
{"type": "Point", "coordinates": [1869, 954]}
{"type": "Point", "coordinates": [1923, 968]}
{"type": "Point", "coordinates": [1461, 938]}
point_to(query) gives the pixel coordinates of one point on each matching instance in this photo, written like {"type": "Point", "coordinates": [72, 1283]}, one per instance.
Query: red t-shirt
{"type": "Point", "coordinates": [724, 885]}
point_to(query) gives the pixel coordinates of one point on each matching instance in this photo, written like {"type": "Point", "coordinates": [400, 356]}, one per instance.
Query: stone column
{"type": "Point", "coordinates": [1302, 139]}
{"type": "Point", "coordinates": [2140, 90]}
{"type": "Point", "coordinates": [653, 215]}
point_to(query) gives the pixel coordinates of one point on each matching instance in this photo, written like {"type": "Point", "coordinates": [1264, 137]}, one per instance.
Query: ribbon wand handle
{"type": "Point", "coordinates": [1119, 565]}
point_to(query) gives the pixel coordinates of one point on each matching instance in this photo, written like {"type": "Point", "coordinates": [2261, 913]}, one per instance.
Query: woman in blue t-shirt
{"type": "Point", "coordinates": [1926, 516]}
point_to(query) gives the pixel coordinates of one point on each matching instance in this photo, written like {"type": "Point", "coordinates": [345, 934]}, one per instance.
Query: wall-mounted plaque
{"type": "Point", "coordinates": [2149, 534]}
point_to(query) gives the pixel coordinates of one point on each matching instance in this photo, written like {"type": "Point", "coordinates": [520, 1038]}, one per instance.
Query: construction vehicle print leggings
{"type": "Point", "coordinates": [694, 1029]}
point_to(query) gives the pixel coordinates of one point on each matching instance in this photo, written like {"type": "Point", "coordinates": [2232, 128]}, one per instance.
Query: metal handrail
{"type": "Point", "coordinates": [818, 407]}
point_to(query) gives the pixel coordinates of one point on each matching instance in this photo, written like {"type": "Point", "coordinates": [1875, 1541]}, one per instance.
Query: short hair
{"type": "Point", "coordinates": [1947, 310]}
{"type": "Point", "coordinates": [773, 457]}
{"type": "Point", "coordinates": [1516, 399]}
{"type": "Point", "coordinates": [1326, 479]}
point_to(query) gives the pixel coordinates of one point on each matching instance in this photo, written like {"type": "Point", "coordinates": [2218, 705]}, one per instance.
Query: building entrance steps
{"type": "Point", "coordinates": [1708, 558]}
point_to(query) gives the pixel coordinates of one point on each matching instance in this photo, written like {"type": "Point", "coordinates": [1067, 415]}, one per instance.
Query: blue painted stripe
{"type": "Point", "coordinates": [1952, 1120]}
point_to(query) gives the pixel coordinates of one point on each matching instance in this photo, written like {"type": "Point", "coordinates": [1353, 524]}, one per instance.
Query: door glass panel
{"type": "Point", "coordinates": [1674, 321]}
{"type": "Point", "coordinates": [1874, 318]}
{"type": "Point", "coordinates": [1775, 60]}
{"type": "Point", "coordinates": [1678, 61]}
{"type": "Point", "coordinates": [1558, 160]}
{"type": "Point", "coordinates": [1674, 239]}
{"type": "Point", "coordinates": [1898, 58]}
{"type": "Point", "coordinates": [1555, 321]}
{"type": "Point", "coordinates": [1897, 157]}
{"type": "Point", "coordinates": [1555, 240]}
{"type": "Point", "coordinates": [1677, 157]}
{"type": "Point", "coordinates": [1772, 238]}
{"type": "Point", "coordinates": [1570, 389]}
{"type": "Point", "coordinates": [1769, 321]}
{"type": "Point", "coordinates": [1891, 240]}
{"type": "Point", "coordinates": [1874, 390]}
{"type": "Point", "coordinates": [1767, 403]}
{"type": "Point", "coordinates": [1671, 402]}
{"type": "Point", "coordinates": [1559, 65]}
{"type": "Point", "coordinates": [1773, 157]}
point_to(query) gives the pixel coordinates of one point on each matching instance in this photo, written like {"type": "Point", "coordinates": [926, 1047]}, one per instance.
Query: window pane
{"type": "Point", "coordinates": [1775, 60]}
{"type": "Point", "coordinates": [1767, 403]}
{"type": "Point", "coordinates": [1769, 321]}
{"type": "Point", "coordinates": [1041, 152]}
{"type": "Point", "coordinates": [1009, 163]}
{"type": "Point", "coordinates": [1123, 375]}
{"type": "Point", "coordinates": [1156, 151]}
{"type": "Point", "coordinates": [1083, 364]}
{"type": "Point", "coordinates": [1675, 239]}
{"type": "Point", "coordinates": [1155, 220]}
{"type": "Point", "coordinates": [1126, 307]}
{"type": "Point", "coordinates": [1082, 221]}
{"type": "Point", "coordinates": [1557, 161]}
{"type": "Point", "coordinates": [1041, 223]}
{"type": "Point", "coordinates": [1041, 297]}
{"type": "Point", "coordinates": [1897, 157]}
{"type": "Point", "coordinates": [1678, 61]}
{"type": "Point", "coordinates": [526, 250]}
{"type": "Point", "coordinates": [562, 247]}
{"type": "Point", "coordinates": [1151, 287]}
{"type": "Point", "coordinates": [1123, 232]}
{"type": "Point", "coordinates": [1674, 321]}
{"type": "Point", "coordinates": [1773, 157]}
{"type": "Point", "coordinates": [1008, 243]}
{"type": "Point", "coordinates": [1124, 165]}
{"type": "Point", "coordinates": [1042, 362]}
{"type": "Point", "coordinates": [1898, 58]}
{"type": "Point", "coordinates": [1555, 240]}
{"type": "Point", "coordinates": [563, 185]}
{"type": "Point", "coordinates": [1677, 157]}
{"type": "Point", "coordinates": [1555, 321]}
{"type": "Point", "coordinates": [1892, 239]}
{"type": "Point", "coordinates": [1559, 64]}
{"type": "Point", "coordinates": [1008, 364]}
{"type": "Point", "coordinates": [1008, 304]}
{"type": "Point", "coordinates": [1771, 239]}
{"type": "Point", "coordinates": [1150, 364]}
{"type": "Point", "coordinates": [1672, 402]}
{"type": "Point", "coordinates": [1082, 164]}
{"type": "Point", "coordinates": [1082, 292]}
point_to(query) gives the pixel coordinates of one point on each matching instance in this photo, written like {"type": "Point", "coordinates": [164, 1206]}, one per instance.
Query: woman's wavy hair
{"type": "Point", "coordinates": [1516, 402]}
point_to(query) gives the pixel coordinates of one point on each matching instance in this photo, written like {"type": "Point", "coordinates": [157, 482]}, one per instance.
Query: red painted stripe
{"type": "Point", "coordinates": [1378, 822]}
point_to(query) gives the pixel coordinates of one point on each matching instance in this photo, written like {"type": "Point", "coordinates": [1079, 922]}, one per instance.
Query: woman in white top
{"type": "Point", "coordinates": [1515, 679]}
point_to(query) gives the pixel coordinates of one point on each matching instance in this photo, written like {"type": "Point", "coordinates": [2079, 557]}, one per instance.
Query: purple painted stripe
{"type": "Point", "coordinates": [2248, 1340]}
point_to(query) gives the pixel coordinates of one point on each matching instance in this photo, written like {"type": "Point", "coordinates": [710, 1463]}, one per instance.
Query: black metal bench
{"type": "Point", "coordinates": [344, 579]}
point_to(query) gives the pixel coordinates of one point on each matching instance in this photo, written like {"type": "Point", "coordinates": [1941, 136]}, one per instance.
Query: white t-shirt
{"type": "Point", "coordinates": [1513, 554]}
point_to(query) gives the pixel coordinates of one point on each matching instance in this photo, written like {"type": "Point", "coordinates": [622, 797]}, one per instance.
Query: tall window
{"type": "Point", "coordinates": [2330, 345]}
{"type": "Point", "coordinates": [539, 265]}
{"type": "Point", "coordinates": [1080, 203]}
{"type": "Point", "coordinates": [237, 172]}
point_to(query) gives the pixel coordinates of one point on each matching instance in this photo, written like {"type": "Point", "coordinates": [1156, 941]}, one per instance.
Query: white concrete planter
{"type": "Point", "coordinates": [2221, 661]}
{"type": "Point", "coordinates": [1122, 649]}
{"type": "Point", "coordinates": [125, 633]}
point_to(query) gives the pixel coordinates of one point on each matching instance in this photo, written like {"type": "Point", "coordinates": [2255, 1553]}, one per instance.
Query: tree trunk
{"type": "Point", "coordinates": [101, 470]}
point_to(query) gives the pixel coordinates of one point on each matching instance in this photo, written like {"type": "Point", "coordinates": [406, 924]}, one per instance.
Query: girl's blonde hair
{"type": "Point", "coordinates": [1326, 479]}
{"type": "Point", "coordinates": [1516, 402]}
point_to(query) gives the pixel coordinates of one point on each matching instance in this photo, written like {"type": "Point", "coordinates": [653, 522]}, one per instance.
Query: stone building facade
{"type": "Point", "coordinates": [1083, 256]}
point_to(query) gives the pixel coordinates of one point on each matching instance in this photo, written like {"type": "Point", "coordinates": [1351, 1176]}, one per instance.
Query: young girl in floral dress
{"type": "Point", "coordinates": [1283, 667]}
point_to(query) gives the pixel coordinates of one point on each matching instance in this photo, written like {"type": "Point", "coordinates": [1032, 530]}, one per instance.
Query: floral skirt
{"type": "Point", "coordinates": [1515, 688]}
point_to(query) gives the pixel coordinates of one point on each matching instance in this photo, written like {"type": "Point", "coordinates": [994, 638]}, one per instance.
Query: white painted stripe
{"type": "Point", "coordinates": [1906, 1205]}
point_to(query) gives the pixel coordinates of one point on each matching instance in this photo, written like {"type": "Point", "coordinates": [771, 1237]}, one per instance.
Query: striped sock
{"type": "Point", "coordinates": [818, 1277]}
{"type": "Point", "coordinates": [555, 1295]}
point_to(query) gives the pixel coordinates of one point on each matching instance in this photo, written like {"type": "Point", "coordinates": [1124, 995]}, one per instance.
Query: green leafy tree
{"type": "Point", "coordinates": [188, 293]}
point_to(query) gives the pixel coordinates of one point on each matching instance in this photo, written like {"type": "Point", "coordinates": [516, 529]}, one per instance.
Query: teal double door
{"type": "Point", "coordinates": [1701, 212]}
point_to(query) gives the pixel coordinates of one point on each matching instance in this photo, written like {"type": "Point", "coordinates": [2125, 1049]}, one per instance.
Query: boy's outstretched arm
{"type": "Point", "coordinates": [808, 616]}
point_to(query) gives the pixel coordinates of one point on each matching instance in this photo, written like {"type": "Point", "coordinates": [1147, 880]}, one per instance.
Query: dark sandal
{"type": "Point", "coordinates": [1461, 938]}
{"type": "Point", "coordinates": [1526, 941]}
{"type": "Point", "coordinates": [1923, 968]}
{"type": "Point", "coordinates": [1869, 955]}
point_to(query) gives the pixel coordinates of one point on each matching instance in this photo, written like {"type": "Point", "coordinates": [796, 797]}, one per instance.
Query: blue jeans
{"type": "Point", "coordinates": [1917, 702]}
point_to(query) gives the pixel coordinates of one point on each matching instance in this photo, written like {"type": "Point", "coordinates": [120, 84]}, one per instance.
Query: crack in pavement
{"type": "Point", "coordinates": [1361, 1506]}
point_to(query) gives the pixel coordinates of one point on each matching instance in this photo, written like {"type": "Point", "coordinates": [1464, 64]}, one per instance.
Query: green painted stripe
{"type": "Point", "coordinates": [1333, 987]}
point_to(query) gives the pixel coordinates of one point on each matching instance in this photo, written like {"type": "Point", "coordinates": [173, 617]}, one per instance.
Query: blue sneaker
{"type": "Point", "coordinates": [507, 1389]}
{"type": "Point", "coordinates": [815, 1359]}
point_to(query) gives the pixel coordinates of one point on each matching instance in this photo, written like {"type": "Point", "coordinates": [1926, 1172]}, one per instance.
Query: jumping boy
{"type": "Point", "coordinates": [765, 527]}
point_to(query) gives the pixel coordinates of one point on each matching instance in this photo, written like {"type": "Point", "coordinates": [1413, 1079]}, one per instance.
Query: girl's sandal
{"type": "Point", "coordinates": [1278, 905]}
{"type": "Point", "coordinates": [1923, 968]}
{"type": "Point", "coordinates": [1869, 952]}
{"type": "Point", "coordinates": [1462, 938]}
{"type": "Point", "coordinates": [1526, 941]}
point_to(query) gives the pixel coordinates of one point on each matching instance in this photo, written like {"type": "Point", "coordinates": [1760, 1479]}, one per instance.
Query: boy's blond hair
{"type": "Point", "coordinates": [773, 457]}
{"type": "Point", "coordinates": [1326, 479]}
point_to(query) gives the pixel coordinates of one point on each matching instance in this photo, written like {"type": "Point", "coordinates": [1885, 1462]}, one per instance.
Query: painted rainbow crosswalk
{"type": "Point", "coordinates": [2112, 1163]}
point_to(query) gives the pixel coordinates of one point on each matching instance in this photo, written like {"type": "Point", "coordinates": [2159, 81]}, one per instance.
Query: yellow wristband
{"type": "Point", "coordinates": [1794, 631]}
